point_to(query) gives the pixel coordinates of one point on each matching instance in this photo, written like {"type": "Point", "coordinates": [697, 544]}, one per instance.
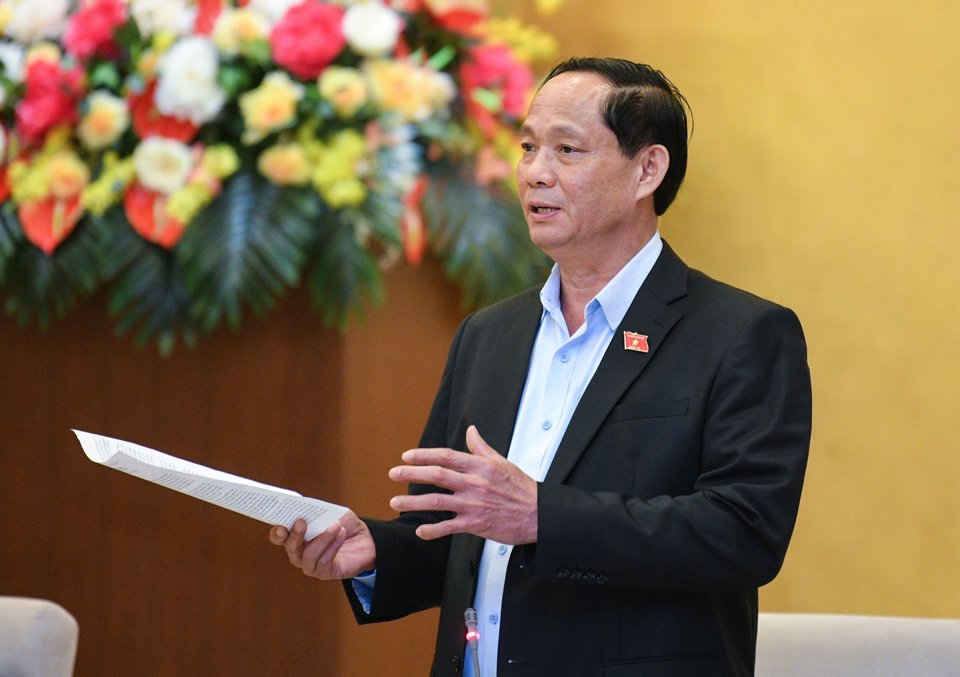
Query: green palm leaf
{"type": "Point", "coordinates": [481, 236]}
{"type": "Point", "coordinates": [42, 286]}
{"type": "Point", "coordinates": [10, 235]}
{"type": "Point", "coordinates": [346, 275]}
{"type": "Point", "coordinates": [149, 291]}
{"type": "Point", "coordinates": [246, 248]}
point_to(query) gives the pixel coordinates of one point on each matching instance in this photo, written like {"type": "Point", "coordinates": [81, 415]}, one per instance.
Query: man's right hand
{"type": "Point", "coordinates": [344, 550]}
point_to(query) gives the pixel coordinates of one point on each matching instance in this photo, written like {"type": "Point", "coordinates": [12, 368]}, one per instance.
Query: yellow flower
{"type": "Point", "coordinates": [220, 160]}
{"type": "Point", "coordinates": [110, 185]}
{"type": "Point", "coordinates": [185, 203]}
{"type": "Point", "coordinates": [106, 119]}
{"type": "Point", "coordinates": [67, 175]}
{"type": "Point", "coordinates": [237, 29]}
{"type": "Point", "coordinates": [529, 43]}
{"type": "Point", "coordinates": [60, 174]}
{"type": "Point", "coordinates": [42, 51]}
{"type": "Point", "coordinates": [346, 193]}
{"type": "Point", "coordinates": [6, 14]}
{"type": "Point", "coordinates": [415, 93]}
{"type": "Point", "coordinates": [336, 169]}
{"type": "Point", "coordinates": [270, 107]}
{"type": "Point", "coordinates": [345, 88]}
{"type": "Point", "coordinates": [285, 164]}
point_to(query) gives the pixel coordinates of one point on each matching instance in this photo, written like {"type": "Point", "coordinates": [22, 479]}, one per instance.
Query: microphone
{"type": "Point", "coordinates": [473, 637]}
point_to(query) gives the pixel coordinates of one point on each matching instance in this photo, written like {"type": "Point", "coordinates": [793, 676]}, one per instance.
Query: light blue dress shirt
{"type": "Point", "coordinates": [561, 367]}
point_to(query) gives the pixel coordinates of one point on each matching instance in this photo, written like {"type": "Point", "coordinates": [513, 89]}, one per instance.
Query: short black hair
{"type": "Point", "coordinates": [643, 108]}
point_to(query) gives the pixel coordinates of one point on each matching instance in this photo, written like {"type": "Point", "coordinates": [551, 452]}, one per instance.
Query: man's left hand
{"type": "Point", "coordinates": [492, 498]}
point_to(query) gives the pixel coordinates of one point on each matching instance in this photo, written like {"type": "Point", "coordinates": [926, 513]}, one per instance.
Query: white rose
{"type": "Point", "coordinates": [372, 28]}
{"type": "Point", "coordinates": [272, 10]}
{"type": "Point", "coordinates": [187, 84]}
{"type": "Point", "coordinates": [31, 20]}
{"type": "Point", "coordinates": [162, 165]}
{"type": "Point", "coordinates": [11, 56]}
{"type": "Point", "coordinates": [171, 16]}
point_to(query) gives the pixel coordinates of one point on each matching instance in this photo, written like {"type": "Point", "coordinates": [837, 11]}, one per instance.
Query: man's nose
{"type": "Point", "coordinates": [539, 170]}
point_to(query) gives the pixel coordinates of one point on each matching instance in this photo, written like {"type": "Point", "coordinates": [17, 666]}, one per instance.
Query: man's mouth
{"type": "Point", "coordinates": [543, 210]}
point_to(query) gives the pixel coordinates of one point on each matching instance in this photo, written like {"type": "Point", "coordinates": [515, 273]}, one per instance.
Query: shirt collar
{"type": "Point", "coordinates": [617, 295]}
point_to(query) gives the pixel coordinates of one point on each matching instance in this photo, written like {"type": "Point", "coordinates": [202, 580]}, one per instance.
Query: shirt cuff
{"type": "Point", "coordinates": [363, 588]}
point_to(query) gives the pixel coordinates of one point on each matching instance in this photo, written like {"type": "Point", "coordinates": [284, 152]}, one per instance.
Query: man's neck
{"type": "Point", "coordinates": [580, 282]}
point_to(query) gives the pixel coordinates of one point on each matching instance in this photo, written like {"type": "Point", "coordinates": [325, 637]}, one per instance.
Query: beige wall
{"type": "Point", "coordinates": [823, 174]}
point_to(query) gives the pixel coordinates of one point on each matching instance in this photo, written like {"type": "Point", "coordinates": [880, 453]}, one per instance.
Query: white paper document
{"type": "Point", "coordinates": [263, 502]}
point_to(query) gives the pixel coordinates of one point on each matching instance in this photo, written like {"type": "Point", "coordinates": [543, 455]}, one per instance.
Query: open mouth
{"type": "Point", "coordinates": [543, 210]}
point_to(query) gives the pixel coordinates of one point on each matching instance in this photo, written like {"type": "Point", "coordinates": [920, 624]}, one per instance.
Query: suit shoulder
{"type": "Point", "coordinates": [703, 287]}
{"type": "Point", "coordinates": [506, 310]}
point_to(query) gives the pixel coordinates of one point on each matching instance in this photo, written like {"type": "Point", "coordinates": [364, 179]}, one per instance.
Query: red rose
{"type": "Point", "coordinates": [50, 98]}
{"type": "Point", "coordinates": [91, 29]}
{"type": "Point", "coordinates": [308, 38]}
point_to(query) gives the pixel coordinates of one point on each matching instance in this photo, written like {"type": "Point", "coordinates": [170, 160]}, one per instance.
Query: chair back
{"type": "Point", "coordinates": [836, 645]}
{"type": "Point", "coordinates": [38, 638]}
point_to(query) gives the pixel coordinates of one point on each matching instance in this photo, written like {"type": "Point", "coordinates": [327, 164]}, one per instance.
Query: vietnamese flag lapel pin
{"type": "Point", "coordinates": [636, 342]}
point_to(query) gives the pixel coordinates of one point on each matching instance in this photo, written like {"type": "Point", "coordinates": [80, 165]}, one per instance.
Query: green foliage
{"type": "Point", "coordinates": [247, 247]}
{"type": "Point", "coordinates": [149, 290]}
{"type": "Point", "coordinates": [481, 236]}
{"type": "Point", "coordinates": [346, 275]}
{"type": "Point", "coordinates": [46, 287]}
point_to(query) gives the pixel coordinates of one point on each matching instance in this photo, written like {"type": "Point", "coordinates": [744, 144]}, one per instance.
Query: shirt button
{"type": "Point", "coordinates": [564, 358]}
{"type": "Point", "coordinates": [493, 618]}
{"type": "Point", "coordinates": [502, 550]}
{"type": "Point", "coordinates": [546, 425]}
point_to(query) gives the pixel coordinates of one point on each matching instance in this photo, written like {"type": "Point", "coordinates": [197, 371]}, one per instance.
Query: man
{"type": "Point", "coordinates": [655, 425]}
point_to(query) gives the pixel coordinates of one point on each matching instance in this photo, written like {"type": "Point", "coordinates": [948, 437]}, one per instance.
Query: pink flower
{"type": "Point", "coordinates": [51, 97]}
{"type": "Point", "coordinates": [308, 38]}
{"type": "Point", "coordinates": [91, 28]}
{"type": "Point", "coordinates": [496, 69]}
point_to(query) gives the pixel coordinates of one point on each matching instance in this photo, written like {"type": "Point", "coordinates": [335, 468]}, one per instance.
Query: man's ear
{"type": "Point", "coordinates": [652, 164]}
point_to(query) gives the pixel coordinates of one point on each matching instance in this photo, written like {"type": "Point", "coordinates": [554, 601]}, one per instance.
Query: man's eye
{"type": "Point", "coordinates": [566, 149]}
{"type": "Point", "coordinates": [526, 147]}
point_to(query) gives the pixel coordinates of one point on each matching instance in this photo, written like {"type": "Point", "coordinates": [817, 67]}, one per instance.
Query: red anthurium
{"type": "Point", "coordinates": [412, 223]}
{"type": "Point", "coordinates": [148, 217]}
{"type": "Point", "coordinates": [47, 223]}
{"type": "Point", "coordinates": [463, 21]}
{"type": "Point", "coordinates": [148, 121]}
{"type": "Point", "coordinates": [207, 13]}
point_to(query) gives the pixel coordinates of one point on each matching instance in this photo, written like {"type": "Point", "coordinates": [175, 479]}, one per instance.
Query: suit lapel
{"type": "Point", "coordinates": [509, 363]}
{"type": "Point", "coordinates": [649, 314]}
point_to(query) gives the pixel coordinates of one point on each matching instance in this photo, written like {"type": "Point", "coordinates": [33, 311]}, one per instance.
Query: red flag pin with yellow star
{"type": "Point", "coordinates": [634, 341]}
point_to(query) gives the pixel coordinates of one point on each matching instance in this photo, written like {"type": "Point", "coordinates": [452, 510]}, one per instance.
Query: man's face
{"type": "Point", "coordinates": [578, 192]}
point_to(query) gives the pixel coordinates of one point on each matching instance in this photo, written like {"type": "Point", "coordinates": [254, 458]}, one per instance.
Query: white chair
{"type": "Point", "coordinates": [38, 638]}
{"type": "Point", "coordinates": [836, 645]}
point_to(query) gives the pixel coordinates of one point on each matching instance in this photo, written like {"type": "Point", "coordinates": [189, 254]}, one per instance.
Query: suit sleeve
{"type": "Point", "coordinates": [731, 530]}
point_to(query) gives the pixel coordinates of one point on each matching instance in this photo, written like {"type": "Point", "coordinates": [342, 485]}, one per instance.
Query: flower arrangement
{"type": "Point", "coordinates": [203, 157]}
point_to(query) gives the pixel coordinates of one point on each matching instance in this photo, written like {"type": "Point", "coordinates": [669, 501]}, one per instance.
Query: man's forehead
{"type": "Point", "coordinates": [574, 96]}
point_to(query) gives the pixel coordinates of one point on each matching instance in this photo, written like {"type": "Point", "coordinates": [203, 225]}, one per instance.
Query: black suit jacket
{"type": "Point", "coordinates": [671, 498]}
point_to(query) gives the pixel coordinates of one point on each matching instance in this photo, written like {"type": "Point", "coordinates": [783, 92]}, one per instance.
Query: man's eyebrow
{"type": "Point", "coordinates": [560, 129]}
